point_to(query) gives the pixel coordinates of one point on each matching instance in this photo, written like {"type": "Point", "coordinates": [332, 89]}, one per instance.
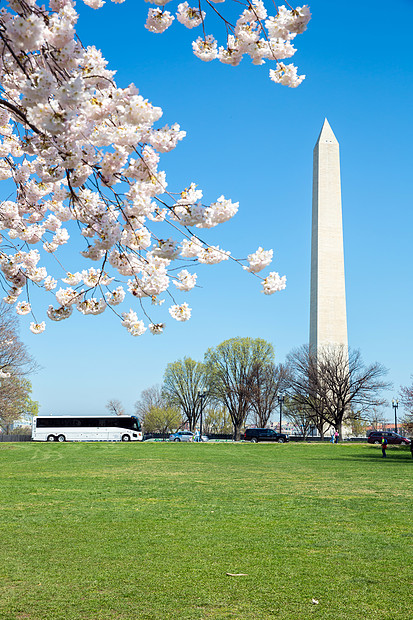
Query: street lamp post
{"type": "Point", "coordinates": [202, 396]}
{"type": "Point", "coordinates": [395, 404]}
{"type": "Point", "coordinates": [281, 400]}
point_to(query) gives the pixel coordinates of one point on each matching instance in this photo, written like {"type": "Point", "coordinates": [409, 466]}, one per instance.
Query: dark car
{"type": "Point", "coordinates": [377, 436]}
{"type": "Point", "coordinates": [263, 434]}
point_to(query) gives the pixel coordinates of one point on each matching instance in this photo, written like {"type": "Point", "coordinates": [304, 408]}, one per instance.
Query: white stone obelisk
{"type": "Point", "coordinates": [328, 320]}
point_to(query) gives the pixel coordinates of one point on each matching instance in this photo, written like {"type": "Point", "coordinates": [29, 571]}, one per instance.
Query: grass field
{"type": "Point", "coordinates": [102, 531]}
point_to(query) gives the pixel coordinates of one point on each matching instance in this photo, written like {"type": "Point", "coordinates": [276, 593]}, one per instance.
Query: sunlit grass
{"type": "Point", "coordinates": [124, 531]}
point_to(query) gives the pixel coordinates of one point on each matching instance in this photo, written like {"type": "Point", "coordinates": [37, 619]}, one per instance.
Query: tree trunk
{"type": "Point", "coordinates": [237, 432]}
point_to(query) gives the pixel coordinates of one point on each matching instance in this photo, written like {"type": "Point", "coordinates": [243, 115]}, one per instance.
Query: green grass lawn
{"type": "Point", "coordinates": [122, 531]}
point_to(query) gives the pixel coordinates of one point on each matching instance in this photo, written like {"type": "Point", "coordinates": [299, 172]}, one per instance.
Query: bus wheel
{"type": "Point", "coordinates": [61, 438]}
{"type": "Point", "coordinates": [125, 438]}
{"type": "Point", "coordinates": [51, 438]}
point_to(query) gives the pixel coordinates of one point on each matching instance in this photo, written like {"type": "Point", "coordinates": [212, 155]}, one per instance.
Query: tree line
{"type": "Point", "coordinates": [239, 382]}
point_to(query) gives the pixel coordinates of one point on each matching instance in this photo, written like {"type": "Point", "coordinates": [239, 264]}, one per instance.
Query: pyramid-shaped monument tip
{"type": "Point", "coordinates": [326, 134]}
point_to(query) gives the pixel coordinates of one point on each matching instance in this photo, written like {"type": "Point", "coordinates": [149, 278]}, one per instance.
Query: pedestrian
{"type": "Point", "coordinates": [336, 436]}
{"type": "Point", "coordinates": [383, 447]}
{"type": "Point", "coordinates": [332, 438]}
{"type": "Point", "coordinates": [197, 436]}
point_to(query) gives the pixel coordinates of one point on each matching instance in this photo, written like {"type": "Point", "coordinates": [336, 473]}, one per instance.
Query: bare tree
{"type": "Point", "coordinates": [14, 357]}
{"type": "Point", "coordinates": [115, 407]}
{"type": "Point", "coordinates": [406, 398]}
{"type": "Point", "coordinates": [230, 368]}
{"type": "Point", "coordinates": [334, 381]}
{"type": "Point", "coordinates": [151, 398]}
{"type": "Point", "coordinates": [376, 418]}
{"type": "Point", "coordinates": [184, 381]}
{"type": "Point", "coordinates": [269, 382]}
{"type": "Point", "coordinates": [302, 393]}
{"type": "Point", "coordinates": [359, 424]}
{"type": "Point", "coordinates": [154, 411]}
{"type": "Point", "coordinates": [349, 385]}
{"type": "Point", "coordinates": [301, 417]}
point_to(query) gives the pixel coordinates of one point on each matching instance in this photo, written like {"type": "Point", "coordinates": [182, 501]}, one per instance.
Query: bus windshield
{"type": "Point", "coordinates": [136, 425]}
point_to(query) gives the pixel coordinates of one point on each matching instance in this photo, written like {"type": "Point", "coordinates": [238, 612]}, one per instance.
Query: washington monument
{"type": "Point", "coordinates": [328, 320]}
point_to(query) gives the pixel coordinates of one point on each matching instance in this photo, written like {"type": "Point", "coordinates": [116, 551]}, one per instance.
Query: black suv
{"type": "Point", "coordinates": [376, 437]}
{"type": "Point", "coordinates": [263, 434]}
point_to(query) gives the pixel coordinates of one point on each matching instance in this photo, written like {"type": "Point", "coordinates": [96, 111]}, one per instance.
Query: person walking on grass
{"type": "Point", "coordinates": [383, 447]}
{"type": "Point", "coordinates": [336, 436]}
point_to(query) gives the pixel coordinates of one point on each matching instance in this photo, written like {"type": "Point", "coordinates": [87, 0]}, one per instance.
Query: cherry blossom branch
{"type": "Point", "coordinates": [84, 157]}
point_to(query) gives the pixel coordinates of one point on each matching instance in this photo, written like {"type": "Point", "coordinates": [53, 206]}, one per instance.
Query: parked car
{"type": "Point", "coordinates": [395, 438]}
{"type": "Point", "coordinates": [263, 434]}
{"type": "Point", "coordinates": [185, 436]}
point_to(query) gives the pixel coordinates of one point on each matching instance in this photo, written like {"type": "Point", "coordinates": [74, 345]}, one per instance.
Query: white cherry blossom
{"type": "Point", "coordinates": [59, 314]}
{"type": "Point", "coordinates": [206, 49]}
{"type": "Point", "coordinates": [50, 283]}
{"type": "Point", "coordinates": [23, 307]}
{"type": "Point", "coordinates": [37, 328]}
{"type": "Point", "coordinates": [73, 279]}
{"type": "Point", "coordinates": [156, 328]}
{"type": "Point", "coordinates": [213, 255]}
{"type": "Point", "coordinates": [114, 298]}
{"type": "Point", "coordinates": [189, 16]}
{"type": "Point", "coordinates": [186, 281]}
{"type": "Point", "coordinates": [273, 282]}
{"type": "Point", "coordinates": [158, 21]}
{"type": "Point", "coordinates": [67, 297]}
{"type": "Point", "coordinates": [180, 313]}
{"type": "Point", "coordinates": [91, 306]}
{"type": "Point", "coordinates": [259, 260]}
{"type": "Point", "coordinates": [190, 248]}
{"type": "Point", "coordinates": [134, 326]}
{"type": "Point", "coordinates": [287, 75]}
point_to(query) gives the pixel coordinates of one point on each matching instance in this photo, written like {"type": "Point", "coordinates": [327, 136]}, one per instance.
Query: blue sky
{"type": "Point", "coordinates": [252, 140]}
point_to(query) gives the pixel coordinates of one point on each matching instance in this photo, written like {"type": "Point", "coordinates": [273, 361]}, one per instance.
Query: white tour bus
{"type": "Point", "coordinates": [86, 428]}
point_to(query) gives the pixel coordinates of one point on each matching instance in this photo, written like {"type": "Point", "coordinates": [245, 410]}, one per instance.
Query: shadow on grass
{"type": "Point", "coordinates": [394, 457]}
